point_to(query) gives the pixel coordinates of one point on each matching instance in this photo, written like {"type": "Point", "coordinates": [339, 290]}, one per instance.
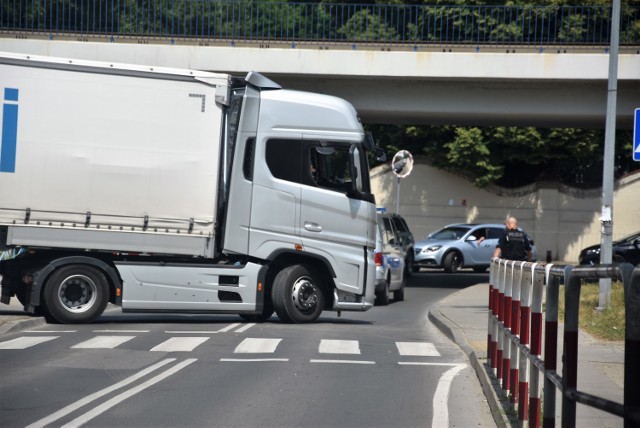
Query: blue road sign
{"type": "Point", "coordinates": [636, 135]}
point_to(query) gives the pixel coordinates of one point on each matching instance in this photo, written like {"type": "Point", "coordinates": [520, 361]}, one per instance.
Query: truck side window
{"type": "Point", "coordinates": [329, 167]}
{"type": "Point", "coordinates": [284, 159]}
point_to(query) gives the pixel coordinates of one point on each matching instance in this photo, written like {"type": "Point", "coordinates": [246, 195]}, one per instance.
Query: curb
{"type": "Point", "coordinates": [14, 326]}
{"type": "Point", "coordinates": [489, 383]}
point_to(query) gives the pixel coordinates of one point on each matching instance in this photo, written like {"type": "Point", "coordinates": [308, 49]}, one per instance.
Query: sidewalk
{"type": "Point", "coordinates": [463, 317]}
{"type": "Point", "coordinates": [13, 318]}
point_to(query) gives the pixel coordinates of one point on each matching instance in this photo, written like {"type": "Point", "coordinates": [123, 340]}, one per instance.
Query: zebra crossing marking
{"type": "Point", "coordinates": [247, 346]}
{"type": "Point", "coordinates": [257, 346]}
{"type": "Point", "coordinates": [417, 349]}
{"type": "Point", "coordinates": [245, 327]}
{"type": "Point", "coordinates": [103, 342]}
{"type": "Point", "coordinates": [25, 342]}
{"type": "Point", "coordinates": [253, 360]}
{"type": "Point", "coordinates": [343, 362]}
{"type": "Point", "coordinates": [179, 344]}
{"type": "Point", "coordinates": [226, 329]}
{"type": "Point", "coordinates": [339, 347]}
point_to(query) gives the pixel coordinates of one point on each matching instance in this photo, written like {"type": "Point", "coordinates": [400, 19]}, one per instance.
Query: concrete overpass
{"type": "Point", "coordinates": [465, 87]}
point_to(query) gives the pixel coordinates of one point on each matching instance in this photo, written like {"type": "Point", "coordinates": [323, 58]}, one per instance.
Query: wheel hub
{"type": "Point", "coordinates": [77, 293]}
{"type": "Point", "coordinates": [305, 294]}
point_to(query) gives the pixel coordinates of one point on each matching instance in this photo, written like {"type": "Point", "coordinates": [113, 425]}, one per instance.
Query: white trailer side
{"type": "Point", "coordinates": [105, 148]}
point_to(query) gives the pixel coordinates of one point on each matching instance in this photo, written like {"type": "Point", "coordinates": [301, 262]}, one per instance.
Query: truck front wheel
{"type": "Point", "coordinates": [76, 294]}
{"type": "Point", "coordinates": [297, 295]}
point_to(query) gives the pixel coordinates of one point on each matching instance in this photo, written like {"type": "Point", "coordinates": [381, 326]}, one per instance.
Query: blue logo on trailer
{"type": "Point", "coordinates": [636, 135]}
{"type": "Point", "coordinates": [9, 130]}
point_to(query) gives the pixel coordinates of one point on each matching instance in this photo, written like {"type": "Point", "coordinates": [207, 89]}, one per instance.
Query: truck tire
{"type": "Point", "coordinates": [297, 295]}
{"type": "Point", "coordinates": [76, 294]}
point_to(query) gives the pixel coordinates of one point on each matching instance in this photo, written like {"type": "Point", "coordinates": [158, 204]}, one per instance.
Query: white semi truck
{"type": "Point", "coordinates": [166, 190]}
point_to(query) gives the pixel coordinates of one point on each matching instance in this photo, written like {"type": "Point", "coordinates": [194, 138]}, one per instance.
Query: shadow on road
{"type": "Point", "coordinates": [440, 279]}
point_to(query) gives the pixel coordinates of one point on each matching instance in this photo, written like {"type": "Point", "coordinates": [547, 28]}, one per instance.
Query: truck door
{"type": "Point", "coordinates": [336, 221]}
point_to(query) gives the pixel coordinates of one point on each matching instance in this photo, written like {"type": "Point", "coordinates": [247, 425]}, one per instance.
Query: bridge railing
{"type": "Point", "coordinates": [514, 341]}
{"type": "Point", "coordinates": [320, 24]}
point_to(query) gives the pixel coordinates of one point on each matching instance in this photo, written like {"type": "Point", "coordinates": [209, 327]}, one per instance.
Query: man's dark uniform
{"type": "Point", "coordinates": [514, 245]}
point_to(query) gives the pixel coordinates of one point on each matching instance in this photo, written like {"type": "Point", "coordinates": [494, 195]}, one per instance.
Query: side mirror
{"type": "Point", "coordinates": [471, 238]}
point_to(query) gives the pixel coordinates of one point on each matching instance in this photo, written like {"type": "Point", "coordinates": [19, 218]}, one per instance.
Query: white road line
{"type": "Point", "coordinates": [417, 349]}
{"type": "Point", "coordinates": [418, 363]}
{"type": "Point", "coordinates": [97, 411]}
{"type": "Point", "coordinates": [229, 327]}
{"type": "Point", "coordinates": [441, 397]}
{"type": "Point", "coordinates": [89, 398]}
{"type": "Point", "coordinates": [342, 362]}
{"type": "Point", "coordinates": [252, 360]}
{"type": "Point", "coordinates": [103, 342]}
{"type": "Point", "coordinates": [191, 332]}
{"type": "Point", "coordinates": [257, 346]}
{"type": "Point", "coordinates": [121, 331]}
{"type": "Point", "coordinates": [245, 327]}
{"type": "Point", "coordinates": [179, 344]}
{"type": "Point", "coordinates": [339, 347]}
{"type": "Point", "coordinates": [50, 331]}
{"type": "Point", "coordinates": [25, 342]}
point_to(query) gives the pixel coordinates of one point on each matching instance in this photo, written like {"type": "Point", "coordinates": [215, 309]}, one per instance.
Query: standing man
{"type": "Point", "coordinates": [513, 244]}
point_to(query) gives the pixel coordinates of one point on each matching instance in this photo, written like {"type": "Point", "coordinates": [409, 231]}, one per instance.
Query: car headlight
{"type": "Point", "coordinates": [593, 251]}
{"type": "Point", "coordinates": [431, 249]}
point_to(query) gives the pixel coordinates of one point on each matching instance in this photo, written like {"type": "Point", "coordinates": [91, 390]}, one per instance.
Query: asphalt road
{"type": "Point", "coordinates": [385, 367]}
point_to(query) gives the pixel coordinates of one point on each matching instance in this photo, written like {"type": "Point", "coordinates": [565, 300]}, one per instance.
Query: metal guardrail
{"type": "Point", "coordinates": [515, 301]}
{"type": "Point", "coordinates": [320, 24]}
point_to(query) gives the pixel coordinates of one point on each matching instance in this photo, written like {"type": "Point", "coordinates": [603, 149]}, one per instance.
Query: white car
{"type": "Point", "coordinates": [390, 262]}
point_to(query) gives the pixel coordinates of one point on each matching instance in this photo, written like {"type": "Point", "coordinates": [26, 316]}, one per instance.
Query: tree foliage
{"type": "Point", "coordinates": [511, 156]}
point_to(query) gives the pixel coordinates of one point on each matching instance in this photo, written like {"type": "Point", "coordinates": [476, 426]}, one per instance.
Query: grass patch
{"type": "Point", "coordinates": [607, 324]}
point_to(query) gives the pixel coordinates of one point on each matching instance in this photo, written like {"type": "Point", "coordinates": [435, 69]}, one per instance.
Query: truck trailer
{"type": "Point", "coordinates": [180, 191]}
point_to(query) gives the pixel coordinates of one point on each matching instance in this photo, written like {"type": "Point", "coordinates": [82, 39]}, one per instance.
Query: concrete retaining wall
{"type": "Point", "coordinates": [561, 219]}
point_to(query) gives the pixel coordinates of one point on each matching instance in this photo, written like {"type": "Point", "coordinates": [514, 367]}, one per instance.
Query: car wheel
{"type": "Point", "coordinates": [452, 262]}
{"type": "Point", "coordinates": [409, 266]}
{"type": "Point", "coordinates": [617, 258]}
{"type": "Point", "coordinates": [398, 295]}
{"type": "Point", "coordinates": [383, 296]}
{"type": "Point", "coordinates": [297, 294]}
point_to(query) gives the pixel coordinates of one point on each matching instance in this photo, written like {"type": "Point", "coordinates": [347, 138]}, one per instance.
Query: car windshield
{"type": "Point", "coordinates": [449, 233]}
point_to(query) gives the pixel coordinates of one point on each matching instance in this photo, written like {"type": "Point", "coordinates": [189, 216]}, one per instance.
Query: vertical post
{"type": "Point", "coordinates": [606, 218]}
{"type": "Point", "coordinates": [525, 314]}
{"type": "Point", "coordinates": [506, 354]}
{"type": "Point", "coordinates": [492, 276]}
{"type": "Point", "coordinates": [503, 280]}
{"type": "Point", "coordinates": [494, 315]}
{"type": "Point", "coordinates": [515, 330]}
{"type": "Point", "coordinates": [536, 347]}
{"type": "Point", "coordinates": [551, 344]}
{"type": "Point", "coordinates": [398, 197]}
{"type": "Point", "coordinates": [631, 342]}
{"type": "Point", "coordinates": [570, 348]}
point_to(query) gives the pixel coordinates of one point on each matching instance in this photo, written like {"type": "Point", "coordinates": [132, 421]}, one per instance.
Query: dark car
{"type": "Point", "coordinates": [625, 250]}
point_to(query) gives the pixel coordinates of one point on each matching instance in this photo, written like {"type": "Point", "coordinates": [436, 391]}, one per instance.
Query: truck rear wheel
{"type": "Point", "coordinates": [76, 294]}
{"type": "Point", "coordinates": [297, 295]}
